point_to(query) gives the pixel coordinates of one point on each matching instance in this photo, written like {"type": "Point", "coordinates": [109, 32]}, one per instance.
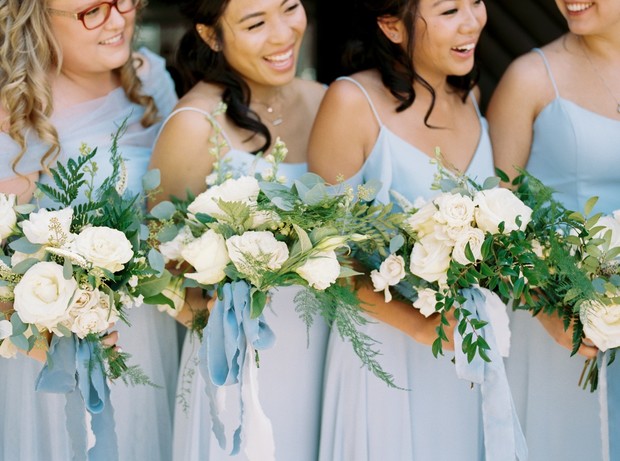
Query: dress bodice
{"type": "Point", "coordinates": [574, 151]}
{"type": "Point", "coordinates": [96, 121]}
{"type": "Point", "coordinates": [400, 166]}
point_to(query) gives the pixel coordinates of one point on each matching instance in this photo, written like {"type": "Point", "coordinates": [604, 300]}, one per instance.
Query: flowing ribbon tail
{"type": "Point", "coordinates": [226, 359]}
{"type": "Point", "coordinates": [71, 370]}
{"type": "Point", "coordinates": [603, 390]}
{"type": "Point", "coordinates": [613, 392]}
{"type": "Point", "coordinates": [93, 385]}
{"type": "Point", "coordinates": [503, 437]}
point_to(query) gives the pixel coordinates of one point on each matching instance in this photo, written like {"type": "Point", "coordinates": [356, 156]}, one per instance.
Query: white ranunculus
{"type": "Point", "coordinates": [422, 221]}
{"type": "Point", "coordinates": [498, 205]}
{"type": "Point", "coordinates": [320, 270]}
{"type": "Point", "coordinates": [208, 256]}
{"type": "Point", "coordinates": [430, 259]}
{"type": "Point", "coordinates": [391, 271]}
{"type": "Point", "coordinates": [43, 295]}
{"type": "Point", "coordinates": [104, 247]}
{"type": "Point", "coordinates": [610, 224]}
{"type": "Point", "coordinates": [171, 251]}
{"type": "Point", "coordinates": [6, 329]}
{"type": "Point", "coordinates": [254, 252]}
{"type": "Point", "coordinates": [426, 301]}
{"type": "Point", "coordinates": [244, 189]}
{"type": "Point", "coordinates": [475, 238]}
{"type": "Point", "coordinates": [49, 227]}
{"type": "Point", "coordinates": [8, 217]}
{"type": "Point", "coordinates": [454, 210]}
{"type": "Point", "coordinates": [601, 324]}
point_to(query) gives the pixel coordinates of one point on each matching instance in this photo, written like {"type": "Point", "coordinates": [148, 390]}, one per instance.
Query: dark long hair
{"type": "Point", "coordinates": [371, 49]}
{"type": "Point", "coordinates": [196, 62]}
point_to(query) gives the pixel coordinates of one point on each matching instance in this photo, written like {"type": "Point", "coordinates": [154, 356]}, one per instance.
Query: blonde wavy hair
{"type": "Point", "coordinates": [28, 51]}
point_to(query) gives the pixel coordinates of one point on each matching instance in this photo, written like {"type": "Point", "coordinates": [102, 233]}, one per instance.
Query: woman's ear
{"type": "Point", "coordinates": [393, 28]}
{"type": "Point", "coordinates": [209, 36]}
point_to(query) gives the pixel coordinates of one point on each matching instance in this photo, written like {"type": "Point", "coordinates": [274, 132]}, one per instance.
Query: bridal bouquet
{"type": "Point", "coordinates": [71, 272]}
{"type": "Point", "coordinates": [582, 253]}
{"type": "Point", "coordinates": [470, 237]}
{"type": "Point", "coordinates": [250, 234]}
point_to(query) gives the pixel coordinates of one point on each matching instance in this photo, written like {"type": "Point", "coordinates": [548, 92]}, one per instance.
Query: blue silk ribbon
{"type": "Point", "coordinates": [73, 371]}
{"type": "Point", "coordinates": [609, 398]}
{"type": "Point", "coordinates": [226, 355]}
{"type": "Point", "coordinates": [503, 437]}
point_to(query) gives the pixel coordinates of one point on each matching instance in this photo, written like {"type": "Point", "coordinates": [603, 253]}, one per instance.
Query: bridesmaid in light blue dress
{"type": "Point", "coordinates": [554, 113]}
{"type": "Point", "coordinates": [254, 74]}
{"type": "Point", "coordinates": [32, 424]}
{"type": "Point", "coordinates": [405, 104]}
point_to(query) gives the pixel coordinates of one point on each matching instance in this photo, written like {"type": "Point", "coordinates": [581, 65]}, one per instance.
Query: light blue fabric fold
{"type": "Point", "coordinates": [613, 391]}
{"type": "Point", "coordinates": [73, 371]}
{"type": "Point", "coordinates": [503, 437]}
{"type": "Point", "coordinates": [223, 352]}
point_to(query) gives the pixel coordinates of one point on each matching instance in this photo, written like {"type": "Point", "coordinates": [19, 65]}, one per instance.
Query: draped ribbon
{"type": "Point", "coordinates": [72, 370]}
{"type": "Point", "coordinates": [612, 382]}
{"type": "Point", "coordinates": [602, 359]}
{"type": "Point", "coordinates": [227, 363]}
{"type": "Point", "coordinates": [503, 437]}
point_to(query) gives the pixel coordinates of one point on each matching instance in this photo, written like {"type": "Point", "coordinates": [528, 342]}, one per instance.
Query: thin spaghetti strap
{"type": "Point", "coordinates": [472, 96]}
{"type": "Point", "coordinates": [200, 111]}
{"type": "Point", "coordinates": [372, 106]}
{"type": "Point", "coordinates": [544, 58]}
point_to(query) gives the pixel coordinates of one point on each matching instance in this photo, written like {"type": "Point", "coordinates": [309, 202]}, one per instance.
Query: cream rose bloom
{"type": "Point", "coordinates": [244, 189]}
{"type": "Point", "coordinates": [208, 256]}
{"type": "Point", "coordinates": [320, 270]}
{"type": "Point", "coordinates": [43, 295]}
{"type": "Point", "coordinates": [91, 313]}
{"type": "Point", "coordinates": [49, 227]}
{"type": "Point", "coordinates": [422, 221]}
{"type": "Point", "coordinates": [430, 259]}
{"type": "Point", "coordinates": [426, 301]}
{"type": "Point", "coordinates": [104, 247]}
{"type": "Point", "coordinates": [8, 217]}
{"type": "Point", "coordinates": [601, 324]}
{"type": "Point", "coordinates": [172, 250]}
{"type": "Point", "coordinates": [495, 206]}
{"type": "Point", "coordinates": [391, 271]}
{"type": "Point", "coordinates": [256, 251]}
{"type": "Point", "coordinates": [454, 210]}
{"type": "Point", "coordinates": [475, 238]}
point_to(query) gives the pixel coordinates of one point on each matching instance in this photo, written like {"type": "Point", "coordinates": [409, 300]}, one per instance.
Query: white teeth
{"type": "Point", "coordinates": [577, 7]}
{"type": "Point", "coordinates": [465, 48]}
{"type": "Point", "coordinates": [280, 57]}
{"type": "Point", "coordinates": [112, 40]}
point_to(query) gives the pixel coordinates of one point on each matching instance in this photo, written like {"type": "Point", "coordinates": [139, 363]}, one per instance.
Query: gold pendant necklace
{"type": "Point", "coordinates": [585, 52]}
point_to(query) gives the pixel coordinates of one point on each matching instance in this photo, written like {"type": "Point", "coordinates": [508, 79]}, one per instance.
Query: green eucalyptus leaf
{"type": "Point", "coordinates": [589, 206]}
{"type": "Point", "coordinates": [21, 342]}
{"type": "Point", "coordinates": [156, 261]}
{"type": "Point", "coordinates": [491, 183]}
{"type": "Point", "coordinates": [163, 210]}
{"type": "Point", "coordinates": [23, 245]}
{"type": "Point", "coordinates": [151, 180]}
{"type": "Point", "coordinates": [23, 266]}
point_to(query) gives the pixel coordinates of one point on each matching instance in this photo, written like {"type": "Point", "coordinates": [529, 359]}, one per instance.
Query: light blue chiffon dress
{"type": "Point", "coordinates": [32, 424]}
{"type": "Point", "coordinates": [574, 151]}
{"type": "Point", "coordinates": [290, 375]}
{"type": "Point", "coordinates": [438, 418]}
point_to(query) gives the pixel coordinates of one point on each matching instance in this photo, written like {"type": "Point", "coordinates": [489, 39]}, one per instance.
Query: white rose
{"type": "Point", "coordinates": [104, 247]}
{"type": "Point", "coordinates": [423, 221]}
{"type": "Point", "coordinates": [49, 227]}
{"type": "Point", "coordinates": [254, 252]}
{"type": "Point", "coordinates": [391, 271]}
{"type": "Point", "coordinates": [6, 329]}
{"type": "Point", "coordinates": [601, 324]}
{"type": "Point", "coordinates": [90, 321]}
{"type": "Point", "coordinates": [454, 210]}
{"type": "Point", "coordinates": [8, 350]}
{"type": "Point", "coordinates": [244, 189]}
{"type": "Point", "coordinates": [500, 205]}
{"type": "Point", "coordinates": [430, 259]}
{"type": "Point", "coordinates": [43, 295]}
{"type": "Point", "coordinates": [208, 256]}
{"type": "Point", "coordinates": [8, 217]}
{"type": "Point", "coordinates": [610, 224]}
{"type": "Point", "coordinates": [475, 238]}
{"type": "Point", "coordinates": [426, 301]}
{"type": "Point", "coordinates": [320, 270]}
{"type": "Point", "coordinates": [171, 251]}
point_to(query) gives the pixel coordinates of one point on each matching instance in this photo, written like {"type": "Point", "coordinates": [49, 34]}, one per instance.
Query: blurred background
{"type": "Point", "coordinates": [513, 28]}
